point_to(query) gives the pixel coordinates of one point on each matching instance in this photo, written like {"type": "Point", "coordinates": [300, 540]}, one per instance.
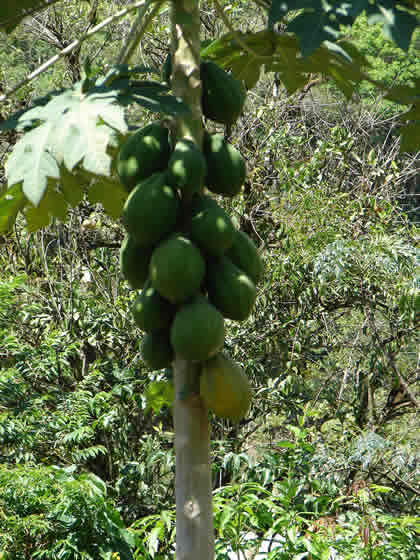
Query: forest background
{"type": "Point", "coordinates": [327, 461]}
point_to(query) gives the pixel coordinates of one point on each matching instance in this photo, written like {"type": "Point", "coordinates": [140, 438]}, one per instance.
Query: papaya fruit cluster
{"type": "Point", "coordinates": [192, 267]}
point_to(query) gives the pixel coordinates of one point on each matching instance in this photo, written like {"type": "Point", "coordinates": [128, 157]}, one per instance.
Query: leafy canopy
{"type": "Point", "coordinates": [319, 21]}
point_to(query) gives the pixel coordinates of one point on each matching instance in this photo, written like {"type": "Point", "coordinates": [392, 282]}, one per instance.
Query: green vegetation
{"type": "Point", "coordinates": [387, 62]}
{"type": "Point", "coordinates": [323, 461]}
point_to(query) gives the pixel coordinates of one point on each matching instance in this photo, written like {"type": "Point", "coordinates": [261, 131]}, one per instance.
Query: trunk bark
{"type": "Point", "coordinates": [194, 513]}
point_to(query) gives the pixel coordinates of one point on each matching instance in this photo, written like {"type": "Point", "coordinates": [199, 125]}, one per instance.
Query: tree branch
{"type": "Point", "coordinates": [71, 47]}
{"type": "Point", "coordinates": [137, 31]}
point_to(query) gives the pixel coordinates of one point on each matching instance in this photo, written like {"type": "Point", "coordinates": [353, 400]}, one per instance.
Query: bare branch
{"type": "Point", "coordinates": [71, 47]}
{"type": "Point", "coordinates": [137, 31]}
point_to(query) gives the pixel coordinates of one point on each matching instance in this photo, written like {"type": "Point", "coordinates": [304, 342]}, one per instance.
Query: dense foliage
{"type": "Point", "coordinates": [327, 461]}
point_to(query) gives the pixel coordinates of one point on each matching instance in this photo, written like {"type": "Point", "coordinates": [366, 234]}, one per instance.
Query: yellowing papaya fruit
{"type": "Point", "coordinates": [224, 388]}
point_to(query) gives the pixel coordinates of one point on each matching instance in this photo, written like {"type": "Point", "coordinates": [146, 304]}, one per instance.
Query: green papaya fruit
{"type": "Point", "coordinates": [151, 210]}
{"type": "Point", "coordinates": [223, 95]}
{"type": "Point", "coordinates": [230, 289]}
{"type": "Point", "coordinates": [134, 262]}
{"type": "Point", "coordinates": [197, 331]}
{"type": "Point", "coordinates": [147, 151]}
{"type": "Point", "coordinates": [245, 255]}
{"type": "Point", "coordinates": [212, 230]}
{"type": "Point", "coordinates": [226, 169]}
{"type": "Point", "coordinates": [187, 167]}
{"type": "Point", "coordinates": [151, 311]}
{"type": "Point", "coordinates": [156, 349]}
{"type": "Point", "coordinates": [177, 269]}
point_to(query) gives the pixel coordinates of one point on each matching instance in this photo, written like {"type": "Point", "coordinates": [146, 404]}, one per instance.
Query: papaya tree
{"type": "Point", "coordinates": [182, 250]}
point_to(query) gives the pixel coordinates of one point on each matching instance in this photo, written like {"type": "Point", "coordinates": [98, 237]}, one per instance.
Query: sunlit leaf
{"type": "Point", "coordinates": [315, 21]}
{"type": "Point", "coordinates": [32, 163]}
{"type": "Point", "coordinates": [158, 395]}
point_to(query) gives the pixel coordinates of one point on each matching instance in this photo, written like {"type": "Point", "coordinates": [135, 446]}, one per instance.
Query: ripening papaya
{"type": "Point", "coordinates": [224, 388]}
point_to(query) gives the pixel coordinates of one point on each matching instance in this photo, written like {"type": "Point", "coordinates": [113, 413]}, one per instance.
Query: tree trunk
{"type": "Point", "coordinates": [194, 519]}
{"type": "Point", "coordinates": [194, 514]}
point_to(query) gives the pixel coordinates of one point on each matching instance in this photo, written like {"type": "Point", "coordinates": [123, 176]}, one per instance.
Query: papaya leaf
{"type": "Point", "coordinates": [11, 202]}
{"type": "Point", "coordinates": [153, 96]}
{"type": "Point", "coordinates": [412, 114]}
{"type": "Point", "coordinates": [404, 94]}
{"type": "Point", "coordinates": [280, 53]}
{"type": "Point", "coordinates": [312, 29]}
{"type": "Point", "coordinates": [72, 186]}
{"type": "Point", "coordinates": [13, 11]}
{"type": "Point", "coordinates": [246, 70]}
{"type": "Point", "coordinates": [317, 21]}
{"type": "Point", "coordinates": [32, 163]}
{"type": "Point", "coordinates": [79, 128]}
{"type": "Point", "coordinates": [227, 48]}
{"type": "Point", "coordinates": [410, 137]}
{"type": "Point", "coordinates": [111, 194]}
{"type": "Point", "coordinates": [397, 25]}
{"type": "Point", "coordinates": [36, 218]}
{"type": "Point", "coordinates": [123, 71]}
{"type": "Point", "coordinates": [75, 127]}
{"type": "Point", "coordinates": [53, 204]}
{"type": "Point", "coordinates": [25, 119]}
